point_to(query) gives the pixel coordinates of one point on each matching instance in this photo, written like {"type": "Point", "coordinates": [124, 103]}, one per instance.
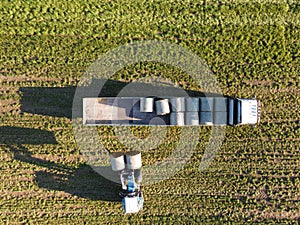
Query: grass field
{"type": "Point", "coordinates": [253, 48]}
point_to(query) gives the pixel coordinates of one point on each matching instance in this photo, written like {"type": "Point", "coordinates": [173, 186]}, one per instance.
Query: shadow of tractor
{"type": "Point", "coordinates": [81, 181]}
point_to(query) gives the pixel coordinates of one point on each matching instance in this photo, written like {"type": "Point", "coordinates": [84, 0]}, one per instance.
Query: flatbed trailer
{"type": "Point", "coordinates": [170, 111]}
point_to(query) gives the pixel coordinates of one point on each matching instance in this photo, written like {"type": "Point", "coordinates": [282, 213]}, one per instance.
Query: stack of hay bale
{"type": "Point", "coordinates": [190, 111]}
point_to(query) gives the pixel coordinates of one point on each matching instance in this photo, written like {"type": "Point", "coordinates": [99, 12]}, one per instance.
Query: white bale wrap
{"type": "Point", "coordinates": [146, 104]}
{"type": "Point", "coordinates": [192, 104]}
{"type": "Point", "coordinates": [206, 118]}
{"type": "Point", "coordinates": [178, 104]}
{"type": "Point", "coordinates": [207, 104]}
{"type": "Point", "coordinates": [162, 107]}
{"type": "Point", "coordinates": [177, 118]}
{"type": "Point", "coordinates": [192, 118]}
{"type": "Point", "coordinates": [220, 118]}
{"type": "Point", "coordinates": [117, 161]}
{"type": "Point", "coordinates": [134, 160]}
{"type": "Point", "coordinates": [220, 104]}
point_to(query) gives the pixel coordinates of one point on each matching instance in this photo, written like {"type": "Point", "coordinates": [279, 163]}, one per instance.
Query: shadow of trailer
{"type": "Point", "coordinates": [58, 101]}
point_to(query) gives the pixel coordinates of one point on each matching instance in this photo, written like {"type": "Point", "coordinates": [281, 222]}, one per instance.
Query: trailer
{"type": "Point", "coordinates": [170, 111]}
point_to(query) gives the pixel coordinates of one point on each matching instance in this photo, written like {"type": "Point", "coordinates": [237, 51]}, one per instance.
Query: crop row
{"type": "Point", "coordinates": [46, 46]}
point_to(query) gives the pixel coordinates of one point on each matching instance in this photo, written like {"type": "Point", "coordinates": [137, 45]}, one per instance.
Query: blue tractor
{"type": "Point", "coordinates": [129, 168]}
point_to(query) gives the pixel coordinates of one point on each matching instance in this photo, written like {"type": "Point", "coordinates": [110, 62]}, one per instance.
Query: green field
{"type": "Point", "coordinates": [253, 48]}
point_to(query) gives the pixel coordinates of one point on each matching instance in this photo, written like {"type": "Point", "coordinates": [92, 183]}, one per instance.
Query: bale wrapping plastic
{"type": "Point", "coordinates": [206, 104]}
{"type": "Point", "coordinates": [192, 118]}
{"type": "Point", "coordinates": [220, 118]}
{"type": "Point", "coordinates": [192, 104]}
{"type": "Point", "coordinates": [146, 104]}
{"type": "Point", "coordinates": [117, 161]}
{"type": "Point", "coordinates": [162, 107]}
{"type": "Point", "coordinates": [134, 160]}
{"type": "Point", "coordinates": [177, 118]}
{"type": "Point", "coordinates": [220, 104]}
{"type": "Point", "coordinates": [178, 104]}
{"type": "Point", "coordinates": [206, 118]}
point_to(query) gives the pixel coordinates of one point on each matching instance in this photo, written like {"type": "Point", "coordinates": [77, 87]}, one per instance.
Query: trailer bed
{"type": "Point", "coordinates": [119, 111]}
{"type": "Point", "coordinates": [211, 111]}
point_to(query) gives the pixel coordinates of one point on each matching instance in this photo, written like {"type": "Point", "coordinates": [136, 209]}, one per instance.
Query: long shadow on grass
{"type": "Point", "coordinates": [58, 101]}
{"type": "Point", "coordinates": [79, 181]}
{"type": "Point", "coordinates": [82, 182]}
